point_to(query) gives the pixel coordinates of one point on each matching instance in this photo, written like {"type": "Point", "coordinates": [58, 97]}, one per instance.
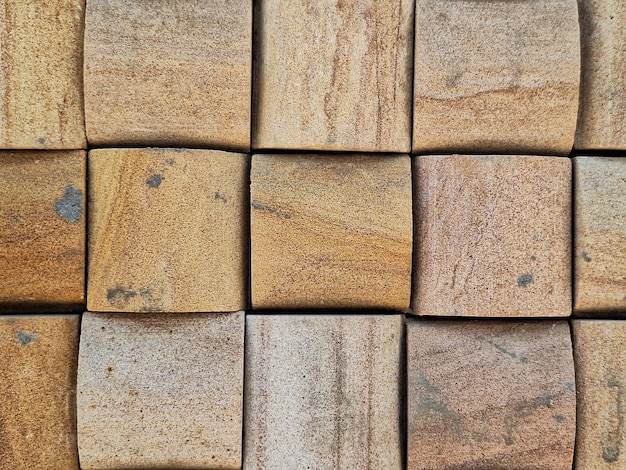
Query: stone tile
{"type": "Point", "coordinates": [160, 391]}
{"type": "Point", "coordinates": [493, 236]}
{"type": "Point", "coordinates": [37, 392]}
{"type": "Point", "coordinates": [41, 74]}
{"type": "Point", "coordinates": [331, 231]}
{"type": "Point", "coordinates": [334, 75]}
{"type": "Point", "coordinates": [600, 235]}
{"type": "Point", "coordinates": [490, 395]}
{"type": "Point", "coordinates": [168, 73]}
{"type": "Point", "coordinates": [499, 77]}
{"type": "Point", "coordinates": [323, 392]}
{"type": "Point", "coordinates": [42, 229]}
{"type": "Point", "coordinates": [168, 230]}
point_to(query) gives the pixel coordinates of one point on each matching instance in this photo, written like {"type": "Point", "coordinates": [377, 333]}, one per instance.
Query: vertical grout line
{"type": "Point", "coordinates": [412, 80]}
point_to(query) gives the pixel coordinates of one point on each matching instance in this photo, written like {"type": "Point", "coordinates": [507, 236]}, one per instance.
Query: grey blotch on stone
{"type": "Point", "coordinates": [25, 338]}
{"type": "Point", "coordinates": [70, 206]}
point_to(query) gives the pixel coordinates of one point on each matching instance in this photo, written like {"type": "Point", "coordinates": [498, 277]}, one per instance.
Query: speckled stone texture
{"type": "Point", "coordinates": [37, 390]}
{"type": "Point", "coordinates": [496, 76]}
{"type": "Point", "coordinates": [160, 391]}
{"type": "Point", "coordinates": [168, 230]}
{"type": "Point", "coordinates": [490, 395]}
{"type": "Point", "coordinates": [331, 231]}
{"type": "Point", "coordinates": [493, 236]}
{"type": "Point", "coordinates": [323, 392]}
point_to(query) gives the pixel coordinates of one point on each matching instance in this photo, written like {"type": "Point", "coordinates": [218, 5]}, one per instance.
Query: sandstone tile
{"type": "Point", "coordinates": [493, 236]}
{"type": "Point", "coordinates": [168, 73]}
{"type": "Point", "coordinates": [331, 231]}
{"type": "Point", "coordinates": [37, 392]}
{"type": "Point", "coordinates": [168, 230]}
{"type": "Point", "coordinates": [499, 77]}
{"type": "Point", "coordinates": [323, 392]}
{"type": "Point", "coordinates": [334, 75]}
{"type": "Point", "coordinates": [42, 229]}
{"type": "Point", "coordinates": [490, 395]}
{"type": "Point", "coordinates": [600, 235]}
{"type": "Point", "coordinates": [160, 391]}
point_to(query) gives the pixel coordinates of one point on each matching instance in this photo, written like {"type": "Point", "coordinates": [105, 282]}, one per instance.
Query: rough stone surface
{"type": "Point", "coordinates": [37, 390]}
{"type": "Point", "coordinates": [493, 236]}
{"type": "Point", "coordinates": [600, 235]}
{"type": "Point", "coordinates": [490, 395]}
{"type": "Point", "coordinates": [496, 76]}
{"type": "Point", "coordinates": [160, 391]}
{"type": "Point", "coordinates": [168, 73]}
{"type": "Point", "coordinates": [323, 392]}
{"type": "Point", "coordinates": [331, 231]}
{"type": "Point", "coordinates": [167, 230]}
{"type": "Point", "coordinates": [334, 75]}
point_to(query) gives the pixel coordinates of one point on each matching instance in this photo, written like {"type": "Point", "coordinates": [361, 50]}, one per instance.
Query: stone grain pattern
{"type": "Point", "coordinates": [167, 230]}
{"type": "Point", "coordinates": [334, 75]}
{"type": "Point", "coordinates": [160, 391]}
{"type": "Point", "coordinates": [490, 395]}
{"type": "Point", "coordinates": [493, 236]}
{"type": "Point", "coordinates": [168, 73]}
{"type": "Point", "coordinates": [38, 386]}
{"type": "Point", "coordinates": [331, 231]}
{"type": "Point", "coordinates": [496, 76]}
{"type": "Point", "coordinates": [323, 392]}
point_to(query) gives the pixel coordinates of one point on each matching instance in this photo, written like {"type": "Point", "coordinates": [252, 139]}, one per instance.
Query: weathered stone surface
{"type": "Point", "coordinates": [167, 230]}
{"type": "Point", "coordinates": [493, 236]}
{"type": "Point", "coordinates": [160, 391]}
{"type": "Point", "coordinates": [168, 73]}
{"type": "Point", "coordinates": [490, 395]}
{"type": "Point", "coordinates": [499, 77]}
{"type": "Point", "coordinates": [37, 392]}
{"type": "Point", "coordinates": [331, 231]}
{"type": "Point", "coordinates": [334, 75]}
{"type": "Point", "coordinates": [600, 235]}
{"type": "Point", "coordinates": [323, 392]}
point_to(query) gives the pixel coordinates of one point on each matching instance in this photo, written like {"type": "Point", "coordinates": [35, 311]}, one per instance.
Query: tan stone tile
{"type": "Point", "coordinates": [497, 77]}
{"type": "Point", "coordinates": [490, 395]}
{"type": "Point", "coordinates": [37, 392]}
{"type": "Point", "coordinates": [42, 229]}
{"type": "Point", "coordinates": [331, 231]}
{"type": "Point", "coordinates": [160, 391]}
{"type": "Point", "coordinates": [167, 230]}
{"type": "Point", "coordinates": [334, 75]}
{"type": "Point", "coordinates": [323, 392]}
{"type": "Point", "coordinates": [168, 73]}
{"type": "Point", "coordinates": [493, 236]}
{"type": "Point", "coordinates": [600, 235]}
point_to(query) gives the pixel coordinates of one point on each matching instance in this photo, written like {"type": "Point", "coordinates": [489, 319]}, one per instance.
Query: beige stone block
{"type": "Point", "coordinates": [490, 395]}
{"type": "Point", "coordinates": [160, 391]}
{"type": "Point", "coordinates": [37, 392]}
{"type": "Point", "coordinates": [600, 235]}
{"type": "Point", "coordinates": [168, 73]}
{"type": "Point", "coordinates": [334, 75]}
{"type": "Point", "coordinates": [493, 236]}
{"type": "Point", "coordinates": [168, 230]}
{"type": "Point", "coordinates": [323, 392]}
{"type": "Point", "coordinates": [496, 76]}
{"type": "Point", "coordinates": [331, 231]}
{"type": "Point", "coordinates": [41, 74]}
{"type": "Point", "coordinates": [42, 230]}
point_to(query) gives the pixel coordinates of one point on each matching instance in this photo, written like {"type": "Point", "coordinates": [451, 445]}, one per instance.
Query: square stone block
{"type": "Point", "coordinates": [496, 76]}
{"type": "Point", "coordinates": [168, 230]}
{"type": "Point", "coordinates": [38, 391]}
{"type": "Point", "coordinates": [334, 75]}
{"type": "Point", "coordinates": [490, 394]}
{"type": "Point", "coordinates": [331, 231]}
{"type": "Point", "coordinates": [323, 392]}
{"type": "Point", "coordinates": [493, 236]}
{"type": "Point", "coordinates": [168, 73]}
{"type": "Point", "coordinates": [160, 391]}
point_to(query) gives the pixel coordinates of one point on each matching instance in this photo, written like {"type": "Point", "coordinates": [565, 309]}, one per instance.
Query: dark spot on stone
{"type": "Point", "coordinates": [585, 256]}
{"type": "Point", "coordinates": [170, 161]}
{"type": "Point", "coordinates": [533, 258]}
{"type": "Point", "coordinates": [120, 297]}
{"type": "Point", "coordinates": [109, 369]}
{"type": "Point", "coordinates": [15, 219]}
{"type": "Point", "coordinates": [70, 206]}
{"type": "Point", "coordinates": [25, 338]}
{"type": "Point", "coordinates": [559, 418]}
{"type": "Point", "coordinates": [610, 453]}
{"type": "Point", "coordinates": [524, 360]}
{"type": "Point", "coordinates": [221, 196]}
{"type": "Point", "coordinates": [41, 140]}
{"type": "Point", "coordinates": [154, 181]}
{"type": "Point", "coordinates": [263, 207]}
{"type": "Point", "coordinates": [453, 80]}
{"type": "Point", "coordinates": [525, 280]}
{"type": "Point", "coordinates": [570, 386]}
